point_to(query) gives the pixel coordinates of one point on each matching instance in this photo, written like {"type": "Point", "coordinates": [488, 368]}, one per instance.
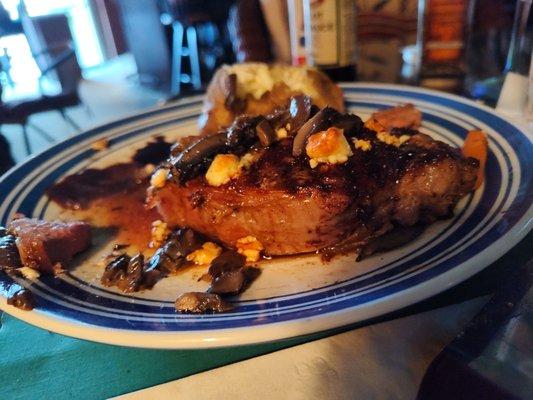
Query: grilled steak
{"type": "Point", "coordinates": [42, 244]}
{"type": "Point", "coordinates": [292, 208]}
{"type": "Point", "coordinates": [400, 117]}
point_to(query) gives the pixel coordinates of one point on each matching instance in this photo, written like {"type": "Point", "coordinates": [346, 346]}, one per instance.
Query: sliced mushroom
{"type": "Point", "coordinates": [161, 261]}
{"type": "Point", "coordinates": [265, 133]}
{"type": "Point", "coordinates": [279, 117]}
{"type": "Point", "coordinates": [150, 278]}
{"type": "Point", "coordinates": [129, 274]}
{"type": "Point", "coordinates": [232, 102]}
{"type": "Point", "coordinates": [114, 270]}
{"type": "Point", "coordinates": [228, 273]}
{"type": "Point", "coordinates": [9, 254]}
{"type": "Point", "coordinates": [198, 302]}
{"type": "Point", "coordinates": [134, 274]}
{"type": "Point", "coordinates": [300, 111]}
{"type": "Point", "coordinates": [351, 124]}
{"type": "Point", "coordinates": [242, 133]}
{"type": "Point", "coordinates": [246, 131]}
{"type": "Point", "coordinates": [320, 121]}
{"type": "Point", "coordinates": [171, 256]}
{"type": "Point", "coordinates": [227, 261]}
{"type": "Point", "coordinates": [197, 152]}
{"type": "Point", "coordinates": [22, 299]}
{"type": "Point", "coordinates": [176, 149]}
{"type": "Point", "coordinates": [229, 282]}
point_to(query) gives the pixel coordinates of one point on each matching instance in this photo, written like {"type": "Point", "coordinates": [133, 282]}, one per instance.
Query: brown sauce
{"type": "Point", "coordinates": [154, 152]}
{"type": "Point", "coordinates": [128, 214]}
{"type": "Point", "coordinates": [22, 299]}
{"type": "Point", "coordinates": [110, 197]}
{"type": "Point", "coordinates": [78, 191]}
{"type": "Point", "coordinates": [9, 254]}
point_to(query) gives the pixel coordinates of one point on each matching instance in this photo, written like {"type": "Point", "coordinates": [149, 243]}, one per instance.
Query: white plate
{"type": "Point", "coordinates": [292, 296]}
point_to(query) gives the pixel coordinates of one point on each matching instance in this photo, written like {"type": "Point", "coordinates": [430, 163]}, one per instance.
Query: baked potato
{"type": "Point", "coordinates": [258, 88]}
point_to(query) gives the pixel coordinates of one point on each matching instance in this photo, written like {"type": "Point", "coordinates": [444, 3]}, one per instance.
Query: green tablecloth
{"type": "Point", "coordinates": [36, 364]}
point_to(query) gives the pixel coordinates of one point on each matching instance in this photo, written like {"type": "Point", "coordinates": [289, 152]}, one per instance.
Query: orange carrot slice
{"type": "Point", "coordinates": [476, 146]}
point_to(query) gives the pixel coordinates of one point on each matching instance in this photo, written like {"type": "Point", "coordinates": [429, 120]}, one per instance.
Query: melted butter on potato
{"type": "Point", "coordinates": [252, 79]}
{"type": "Point", "coordinates": [329, 146]}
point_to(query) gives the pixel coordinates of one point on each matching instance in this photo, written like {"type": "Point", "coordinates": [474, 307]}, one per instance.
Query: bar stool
{"type": "Point", "coordinates": [188, 19]}
{"type": "Point", "coordinates": [180, 50]}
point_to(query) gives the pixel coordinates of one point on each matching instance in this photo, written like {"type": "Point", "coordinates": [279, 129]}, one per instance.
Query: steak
{"type": "Point", "coordinates": [292, 208]}
{"type": "Point", "coordinates": [43, 244]}
{"type": "Point", "coordinates": [400, 117]}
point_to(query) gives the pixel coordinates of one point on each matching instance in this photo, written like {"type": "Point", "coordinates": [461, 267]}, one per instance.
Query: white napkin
{"type": "Point", "coordinates": [382, 361]}
{"type": "Point", "coordinates": [513, 97]}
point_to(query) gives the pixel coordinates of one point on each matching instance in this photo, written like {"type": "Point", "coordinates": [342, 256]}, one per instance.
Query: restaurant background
{"type": "Point", "coordinates": [113, 57]}
{"type": "Point", "coordinates": [69, 65]}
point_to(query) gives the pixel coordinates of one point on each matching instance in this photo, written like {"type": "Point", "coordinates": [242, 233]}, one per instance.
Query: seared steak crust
{"type": "Point", "coordinates": [291, 208]}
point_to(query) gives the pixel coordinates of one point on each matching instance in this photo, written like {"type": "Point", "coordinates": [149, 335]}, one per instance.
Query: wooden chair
{"type": "Point", "coordinates": [50, 42]}
{"type": "Point", "coordinates": [18, 112]}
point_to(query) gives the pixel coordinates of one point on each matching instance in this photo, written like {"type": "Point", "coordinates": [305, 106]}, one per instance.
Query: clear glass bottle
{"type": "Point", "coordinates": [489, 30]}
{"type": "Point", "coordinates": [514, 92]}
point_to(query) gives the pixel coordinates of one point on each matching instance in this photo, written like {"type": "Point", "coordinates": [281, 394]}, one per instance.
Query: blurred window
{"type": "Point", "coordinates": [81, 22]}
{"type": "Point", "coordinates": [11, 8]}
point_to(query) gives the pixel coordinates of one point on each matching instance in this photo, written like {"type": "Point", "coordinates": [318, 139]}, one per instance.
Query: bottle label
{"type": "Point", "coordinates": [297, 31]}
{"type": "Point", "coordinates": [330, 32]}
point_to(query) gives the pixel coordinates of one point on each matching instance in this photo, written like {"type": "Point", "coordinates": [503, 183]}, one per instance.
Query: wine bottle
{"type": "Point", "coordinates": [330, 37]}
